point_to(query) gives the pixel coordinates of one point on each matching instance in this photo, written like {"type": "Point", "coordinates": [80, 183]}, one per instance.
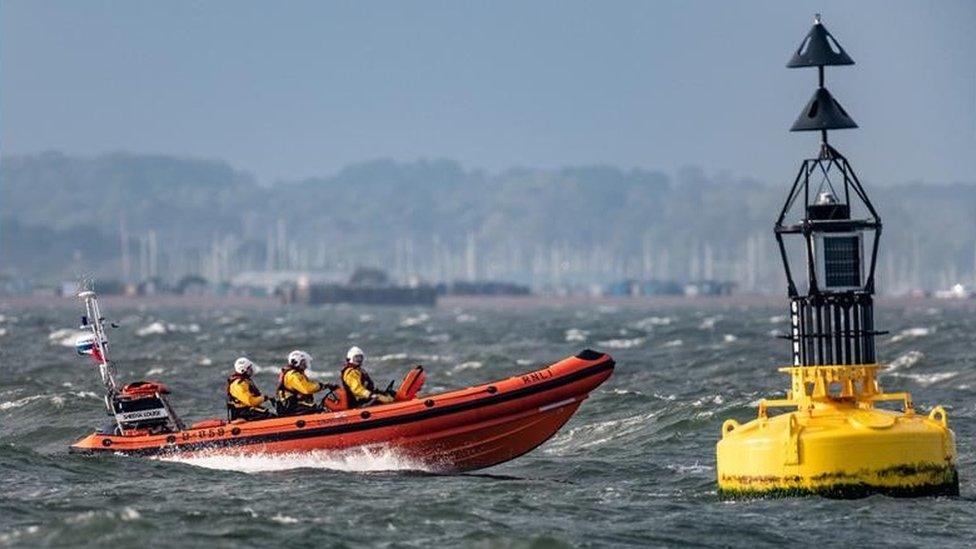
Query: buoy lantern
{"type": "Point", "coordinates": [836, 442]}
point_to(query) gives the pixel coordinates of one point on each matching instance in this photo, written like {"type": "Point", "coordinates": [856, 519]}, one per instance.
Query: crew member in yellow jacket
{"type": "Point", "coordinates": [244, 400]}
{"type": "Point", "coordinates": [296, 393]}
{"type": "Point", "coordinates": [359, 387]}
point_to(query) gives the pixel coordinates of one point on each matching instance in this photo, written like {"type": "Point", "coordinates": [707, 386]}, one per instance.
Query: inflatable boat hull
{"type": "Point", "coordinates": [459, 430]}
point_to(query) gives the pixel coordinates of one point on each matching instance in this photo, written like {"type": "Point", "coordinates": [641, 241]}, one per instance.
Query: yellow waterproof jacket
{"type": "Point", "coordinates": [242, 393]}
{"type": "Point", "coordinates": [295, 381]}
{"type": "Point", "coordinates": [357, 383]}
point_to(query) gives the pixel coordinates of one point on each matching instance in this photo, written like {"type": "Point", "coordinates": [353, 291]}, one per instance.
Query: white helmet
{"type": "Point", "coordinates": [355, 355]}
{"type": "Point", "coordinates": [299, 359]}
{"type": "Point", "coordinates": [243, 366]}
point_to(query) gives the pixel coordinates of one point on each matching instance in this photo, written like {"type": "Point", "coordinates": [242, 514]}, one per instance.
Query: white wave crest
{"type": "Point", "coordinates": [414, 320]}
{"type": "Point", "coordinates": [708, 323]}
{"type": "Point", "coordinates": [597, 434]}
{"type": "Point", "coordinates": [352, 460]}
{"type": "Point", "coordinates": [471, 365]}
{"type": "Point", "coordinates": [389, 357]}
{"type": "Point", "coordinates": [622, 343]}
{"type": "Point", "coordinates": [11, 404]}
{"type": "Point", "coordinates": [912, 332]}
{"type": "Point", "coordinates": [904, 361]}
{"type": "Point", "coordinates": [927, 379]}
{"type": "Point", "coordinates": [575, 334]}
{"type": "Point", "coordinates": [159, 328]}
{"type": "Point", "coordinates": [649, 322]}
{"type": "Point", "coordinates": [66, 337]}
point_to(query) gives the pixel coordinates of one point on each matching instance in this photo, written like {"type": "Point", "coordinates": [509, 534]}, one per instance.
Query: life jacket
{"type": "Point", "coordinates": [364, 378]}
{"type": "Point", "coordinates": [290, 401]}
{"type": "Point", "coordinates": [232, 401]}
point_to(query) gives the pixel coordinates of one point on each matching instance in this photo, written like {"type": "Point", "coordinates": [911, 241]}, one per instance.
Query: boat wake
{"type": "Point", "coordinates": [358, 460]}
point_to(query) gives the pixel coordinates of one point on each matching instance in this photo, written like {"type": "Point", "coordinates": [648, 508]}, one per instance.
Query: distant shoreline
{"type": "Point", "coordinates": [474, 302]}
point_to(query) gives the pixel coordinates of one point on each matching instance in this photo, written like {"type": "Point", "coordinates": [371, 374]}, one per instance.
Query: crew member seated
{"type": "Point", "coordinates": [296, 393]}
{"type": "Point", "coordinates": [244, 400]}
{"type": "Point", "coordinates": [357, 383]}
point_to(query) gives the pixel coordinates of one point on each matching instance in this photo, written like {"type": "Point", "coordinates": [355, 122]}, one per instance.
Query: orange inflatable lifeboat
{"type": "Point", "coordinates": [458, 430]}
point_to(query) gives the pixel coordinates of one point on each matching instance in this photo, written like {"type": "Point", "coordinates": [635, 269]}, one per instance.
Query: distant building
{"type": "Point", "coordinates": [365, 286]}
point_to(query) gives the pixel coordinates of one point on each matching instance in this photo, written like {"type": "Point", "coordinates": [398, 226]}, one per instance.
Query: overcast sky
{"type": "Point", "coordinates": [294, 89]}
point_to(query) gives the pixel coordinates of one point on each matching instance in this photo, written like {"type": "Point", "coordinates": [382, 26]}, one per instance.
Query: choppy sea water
{"type": "Point", "coordinates": [634, 466]}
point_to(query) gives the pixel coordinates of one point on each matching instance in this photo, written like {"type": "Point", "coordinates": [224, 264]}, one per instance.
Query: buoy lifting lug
{"type": "Point", "coordinates": [938, 414]}
{"type": "Point", "coordinates": [728, 426]}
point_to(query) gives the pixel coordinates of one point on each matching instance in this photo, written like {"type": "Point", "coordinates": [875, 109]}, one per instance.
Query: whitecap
{"type": "Point", "coordinates": [11, 404]}
{"type": "Point", "coordinates": [205, 361]}
{"type": "Point", "coordinates": [364, 318]}
{"type": "Point", "coordinates": [708, 323]}
{"type": "Point", "coordinates": [523, 362]}
{"type": "Point", "coordinates": [717, 399]}
{"type": "Point", "coordinates": [12, 535]}
{"type": "Point", "coordinates": [906, 360]}
{"type": "Point", "coordinates": [414, 320]}
{"type": "Point", "coordinates": [597, 434]}
{"type": "Point", "coordinates": [650, 322]}
{"type": "Point", "coordinates": [151, 329]}
{"type": "Point", "coordinates": [463, 318]}
{"type": "Point", "coordinates": [927, 379]}
{"type": "Point", "coordinates": [470, 365]}
{"type": "Point", "coordinates": [439, 338]}
{"type": "Point", "coordinates": [394, 356]}
{"type": "Point", "coordinates": [778, 319]}
{"type": "Point", "coordinates": [66, 337]}
{"type": "Point", "coordinates": [284, 519]}
{"type": "Point", "coordinates": [674, 343]}
{"type": "Point", "coordinates": [622, 343]}
{"type": "Point", "coordinates": [912, 332]}
{"type": "Point", "coordinates": [696, 467]}
{"type": "Point", "coordinates": [729, 338]}
{"type": "Point", "coordinates": [154, 371]}
{"type": "Point", "coordinates": [158, 328]}
{"type": "Point", "coordinates": [575, 334]}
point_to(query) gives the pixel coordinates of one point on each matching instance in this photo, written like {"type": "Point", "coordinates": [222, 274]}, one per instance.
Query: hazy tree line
{"type": "Point", "coordinates": [138, 216]}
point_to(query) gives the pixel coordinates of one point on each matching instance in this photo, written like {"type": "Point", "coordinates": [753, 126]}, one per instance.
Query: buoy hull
{"type": "Point", "coordinates": [839, 452]}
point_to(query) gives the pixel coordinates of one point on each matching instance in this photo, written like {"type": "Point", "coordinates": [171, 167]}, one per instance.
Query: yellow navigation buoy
{"type": "Point", "coordinates": [835, 442]}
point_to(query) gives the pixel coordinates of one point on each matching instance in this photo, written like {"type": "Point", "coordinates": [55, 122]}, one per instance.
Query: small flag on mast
{"type": "Point", "coordinates": [85, 345]}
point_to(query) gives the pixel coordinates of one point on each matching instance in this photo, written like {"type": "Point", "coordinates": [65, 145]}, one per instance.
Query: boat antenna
{"type": "Point", "coordinates": [95, 343]}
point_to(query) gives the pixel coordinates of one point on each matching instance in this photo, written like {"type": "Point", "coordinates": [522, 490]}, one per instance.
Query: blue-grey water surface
{"type": "Point", "coordinates": [635, 465]}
